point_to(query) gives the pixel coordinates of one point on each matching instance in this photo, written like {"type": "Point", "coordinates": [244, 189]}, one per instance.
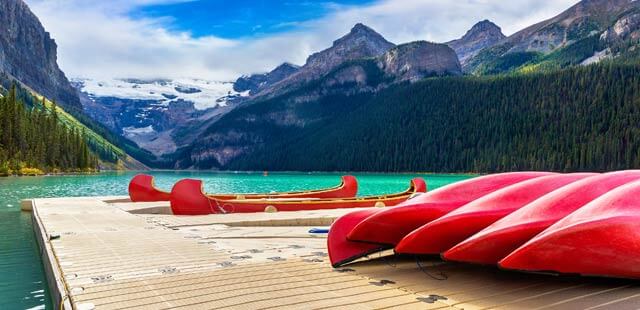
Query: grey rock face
{"type": "Point", "coordinates": [579, 21]}
{"type": "Point", "coordinates": [28, 54]}
{"type": "Point", "coordinates": [360, 42]}
{"type": "Point", "coordinates": [482, 35]}
{"type": "Point", "coordinates": [413, 61]}
{"type": "Point", "coordinates": [258, 82]}
{"type": "Point", "coordinates": [586, 18]}
{"type": "Point", "coordinates": [627, 27]}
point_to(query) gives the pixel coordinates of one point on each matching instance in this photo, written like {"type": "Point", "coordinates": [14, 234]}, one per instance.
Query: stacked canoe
{"type": "Point", "coordinates": [188, 198]}
{"type": "Point", "coordinates": [580, 223]}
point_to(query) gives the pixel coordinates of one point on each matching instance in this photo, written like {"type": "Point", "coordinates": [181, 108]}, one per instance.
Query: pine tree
{"type": "Point", "coordinates": [34, 138]}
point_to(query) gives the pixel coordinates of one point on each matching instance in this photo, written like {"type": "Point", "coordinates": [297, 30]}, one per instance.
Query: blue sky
{"type": "Point", "coordinates": [223, 39]}
{"type": "Point", "coordinates": [241, 18]}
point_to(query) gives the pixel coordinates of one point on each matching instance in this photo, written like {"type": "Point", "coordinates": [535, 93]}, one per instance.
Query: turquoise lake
{"type": "Point", "coordinates": [22, 281]}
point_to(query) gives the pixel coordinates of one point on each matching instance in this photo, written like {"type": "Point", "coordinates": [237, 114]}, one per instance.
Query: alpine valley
{"type": "Point", "coordinates": [364, 103]}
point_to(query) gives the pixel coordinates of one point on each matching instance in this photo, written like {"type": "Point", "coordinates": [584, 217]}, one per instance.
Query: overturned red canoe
{"type": "Point", "coordinates": [600, 239]}
{"type": "Point", "coordinates": [141, 189]}
{"type": "Point", "coordinates": [458, 225]}
{"type": "Point", "coordinates": [187, 198]}
{"type": "Point", "coordinates": [387, 227]}
{"type": "Point", "coordinates": [341, 250]}
{"type": "Point", "coordinates": [504, 236]}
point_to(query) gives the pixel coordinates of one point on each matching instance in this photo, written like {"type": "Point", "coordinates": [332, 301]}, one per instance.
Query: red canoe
{"type": "Point", "coordinates": [141, 189]}
{"type": "Point", "coordinates": [460, 224]}
{"type": "Point", "coordinates": [600, 239]}
{"type": "Point", "coordinates": [387, 227]}
{"type": "Point", "coordinates": [187, 198]}
{"type": "Point", "coordinates": [341, 250]}
{"type": "Point", "coordinates": [498, 240]}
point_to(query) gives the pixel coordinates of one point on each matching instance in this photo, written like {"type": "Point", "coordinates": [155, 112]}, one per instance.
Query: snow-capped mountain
{"type": "Point", "coordinates": [156, 113]}
{"type": "Point", "coordinates": [203, 94]}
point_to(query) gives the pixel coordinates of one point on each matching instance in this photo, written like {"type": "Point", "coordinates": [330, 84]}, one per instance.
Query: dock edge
{"type": "Point", "coordinates": [57, 289]}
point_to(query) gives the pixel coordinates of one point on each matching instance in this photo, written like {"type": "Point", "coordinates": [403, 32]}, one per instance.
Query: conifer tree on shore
{"type": "Point", "coordinates": [32, 139]}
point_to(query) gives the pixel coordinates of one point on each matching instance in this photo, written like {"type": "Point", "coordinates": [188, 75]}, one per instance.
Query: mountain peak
{"type": "Point", "coordinates": [257, 82]}
{"type": "Point", "coordinates": [361, 28]}
{"type": "Point", "coordinates": [361, 33]}
{"type": "Point", "coordinates": [286, 66]}
{"type": "Point", "coordinates": [360, 42]}
{"type": "Point", "coordinates": [29, 54]}
{"type": "Point", "coordinates": [484, 28]}
{"type": "Point", "coordinates": [482, 35]}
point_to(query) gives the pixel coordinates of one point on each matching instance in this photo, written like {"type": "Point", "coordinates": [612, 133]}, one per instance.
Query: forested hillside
{"type": "Point", "coordinates": [33, 139]}
{"type": "Point", "coordinates": [583, 118]}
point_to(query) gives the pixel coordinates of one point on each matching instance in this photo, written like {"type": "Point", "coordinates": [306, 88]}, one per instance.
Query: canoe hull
{"type": "Point", "coordinates": [490, 250]}
{"type": "Point", "coordinates": [387, 227]}
{"type": "Point", "coordinates": [497, 241]}
{"type": "Point", "coordinates": [342, 251]}
{"type": "Point", "coordinates": [606, 248]}
{"type": "Point", "coordinates": [444, 233]}
{"type": "Point", "coordinates": [142, 189]}
{"type": "Point", "coordinates": [187, 198]}
{"type": "Point", "coordinates": [391, 225]}
{"type": "Point", "coordinates": [599, 239]}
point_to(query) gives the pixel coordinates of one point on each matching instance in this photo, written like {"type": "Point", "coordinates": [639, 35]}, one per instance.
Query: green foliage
{"type": "Point", "coordinates": [508, 62]}
{"type": "Point", "coordinates": [253, 125]}
{"type": "Point", "coordinates": [572, 55]}
{"type": "Point", "coordinates": [528, 62]}
{"type": "Point", "coordinates": [34, 138]}
{"type": "Point", "coordinates": [583, 29]}
{"type": "Point", "coordinates": [578, 119]}
{"type": "Point", "coordinates": [487, 55]}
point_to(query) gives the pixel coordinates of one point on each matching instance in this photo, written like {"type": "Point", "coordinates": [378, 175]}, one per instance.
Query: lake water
{"type": "Point", "coordinates": [22, 281]}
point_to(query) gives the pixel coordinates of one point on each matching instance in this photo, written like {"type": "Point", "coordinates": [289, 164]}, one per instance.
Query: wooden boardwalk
{"type": "Point", "coordinates": [103, 253]}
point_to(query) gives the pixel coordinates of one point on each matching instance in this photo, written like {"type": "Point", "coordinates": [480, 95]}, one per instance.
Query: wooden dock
{"type": "Point", "coordinates": [107, 253]}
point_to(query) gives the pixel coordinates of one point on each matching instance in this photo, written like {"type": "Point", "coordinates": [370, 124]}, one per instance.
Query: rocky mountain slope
{"type": "Point", "coordinates": [361, 42]}
{"type": "Point", "coordinates": [29, 54]}
{"type": "Point", "coordinates": [567, 39]}
{"type": "Point", "coordinates": [358, 65]}
{"type": "Point", "coordinates": [28, 57]}
{"type": "Point", "coordinates": [258, 82]}
{"type": "Point", "coordinates": [159, 115]}
{"type": "Point", "coordinates": [416, 60]}
{"type": "Point", "coordinates": [482, 35]}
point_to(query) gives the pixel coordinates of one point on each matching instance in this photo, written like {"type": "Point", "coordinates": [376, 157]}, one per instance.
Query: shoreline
{"type": "Point", "coordinates": [49, 174]}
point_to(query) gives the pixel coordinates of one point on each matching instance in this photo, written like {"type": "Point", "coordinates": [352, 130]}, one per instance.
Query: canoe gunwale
{"type": "Point", "coordinates": [143, 185]}
{"type": "Point", "coordinates": [188, 198]}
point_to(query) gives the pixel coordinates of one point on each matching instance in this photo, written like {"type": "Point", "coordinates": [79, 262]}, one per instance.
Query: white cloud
{"type": "Point", "coordinates": [97, 39]}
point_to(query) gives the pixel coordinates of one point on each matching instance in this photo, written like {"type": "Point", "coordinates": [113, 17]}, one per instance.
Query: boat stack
{"type": "Point", "coordinates": [580, 224]}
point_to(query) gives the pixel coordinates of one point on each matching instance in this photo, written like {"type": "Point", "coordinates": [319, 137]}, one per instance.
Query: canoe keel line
{"type": "Point", "coordinates": [584, 223]}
